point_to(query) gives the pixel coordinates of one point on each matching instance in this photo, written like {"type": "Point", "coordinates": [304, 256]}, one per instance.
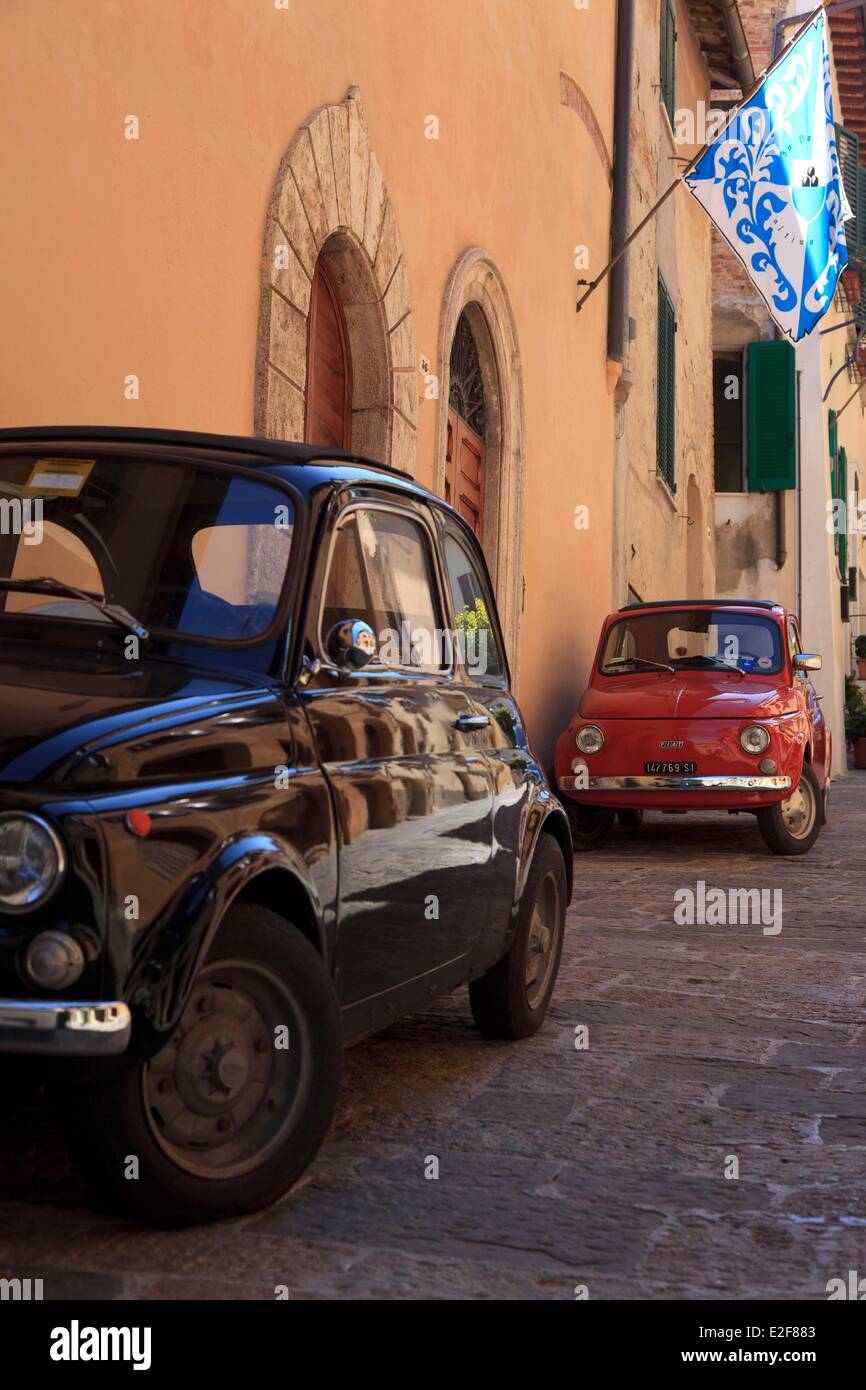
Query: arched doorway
{"type": "Point", "coordinates": [329, 366]}
{"type": "Point", "coordinates": [465, 450]}
{"type": "Point", "coordinates": [333, 253]}
{"type": "Point", "coordinates": [480, 430]}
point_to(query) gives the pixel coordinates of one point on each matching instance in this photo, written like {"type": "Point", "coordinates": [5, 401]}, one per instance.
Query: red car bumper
{"type": "Point", "coordinates": [721, 775]}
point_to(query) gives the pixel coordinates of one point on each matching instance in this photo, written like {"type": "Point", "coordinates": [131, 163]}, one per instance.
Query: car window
{"type": "Point", "coordinates": [471, 612]}
{"type": "Point", "coordinates": [242, 565]}
{"type": "Point", "coordinates": [693, 639]}
{"type": "Point", "coordinates": [191, 550]}
{"type": "Point", "coordinates": [381, 571]}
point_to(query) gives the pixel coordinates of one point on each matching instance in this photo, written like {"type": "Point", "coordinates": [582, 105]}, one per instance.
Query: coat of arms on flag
{"type": "Point", "coordinates": [771, 182]}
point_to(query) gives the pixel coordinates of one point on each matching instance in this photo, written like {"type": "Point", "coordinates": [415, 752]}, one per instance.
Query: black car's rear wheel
{"type": "Point", "coordinates": [226, 1117]}
{"type": "Point", "coordinates": [512, 999]}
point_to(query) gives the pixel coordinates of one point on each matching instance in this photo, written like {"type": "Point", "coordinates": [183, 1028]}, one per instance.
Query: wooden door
{"type": "Point", "coordinates": [464, 472]}
{"type": "Point", "coordinates": [329, 367]}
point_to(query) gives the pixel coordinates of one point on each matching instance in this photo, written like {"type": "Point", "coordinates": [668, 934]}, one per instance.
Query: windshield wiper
{"type": "Point", "coordinates": [45, 585]}
{"type": "Point", "coordinates": [640, 661]}
{"type": "Point", "coordinates": [717, 663]}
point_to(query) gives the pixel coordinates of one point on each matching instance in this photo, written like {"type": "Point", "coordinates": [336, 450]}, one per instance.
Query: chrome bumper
{"type": "Point", "coordinates": [681, 783]}
{"type": "Point", "coordinates": [69, 1028]}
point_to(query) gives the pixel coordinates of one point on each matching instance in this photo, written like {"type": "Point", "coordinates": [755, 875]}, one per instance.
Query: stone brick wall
{"type": "Point", "coordinates": [738, 309]}
{"type": "Point", "coordinates": [758, 18]}
{"type": "Point", "coordinates": [667, 538]}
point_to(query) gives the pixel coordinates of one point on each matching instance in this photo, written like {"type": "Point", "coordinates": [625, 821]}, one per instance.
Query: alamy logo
{"type": "Point", "coordinates": [715, 907]}
{"type": "Point", "coordinates": [854, 1289]}
{"type": "Point", "coordinates": [21, 1290]}
{"type": "Point", "coordinates": [22, 517]}
{"type": "Point", "coordinates": [420, 647]}
{"type": "Point", "coordinates": [77, 1343]}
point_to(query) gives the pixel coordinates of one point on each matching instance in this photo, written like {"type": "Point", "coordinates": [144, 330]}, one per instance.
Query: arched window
{"type": "Point", "coordinates": [329, 366]}
{"type": "Point", "coordinates": [465, 453]}
{"type": "Point", "coordinates": [480, 432]}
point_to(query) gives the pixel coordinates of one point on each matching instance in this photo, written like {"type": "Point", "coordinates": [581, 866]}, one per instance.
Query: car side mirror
{"type": "Point", "coordinates": [351, 644]}
{"type": "Point", "coordinates": [808, 661]}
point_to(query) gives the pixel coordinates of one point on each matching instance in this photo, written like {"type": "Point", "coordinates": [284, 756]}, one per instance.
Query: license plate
{"type": "Point", "coordinates": [670, 769]}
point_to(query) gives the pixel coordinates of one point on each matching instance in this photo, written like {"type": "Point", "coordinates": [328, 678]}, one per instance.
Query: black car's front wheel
{"type": "Point", "coordinates": [227, 1116]}
{"type": "Point", "coordinates": [512, 999]}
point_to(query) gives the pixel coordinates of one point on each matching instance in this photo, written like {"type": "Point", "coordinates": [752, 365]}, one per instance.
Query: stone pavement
{"type": "Point", "coordinates": [710, 1047]}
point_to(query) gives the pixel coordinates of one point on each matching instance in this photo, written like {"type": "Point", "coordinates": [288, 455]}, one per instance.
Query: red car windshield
{"type": "Point", "coordinates": [693, 639]}
{"type": "Point", "coordinates": [188, 550]}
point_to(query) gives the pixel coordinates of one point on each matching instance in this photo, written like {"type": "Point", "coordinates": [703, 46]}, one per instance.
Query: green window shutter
{"type": "Point", "coordinates": [842, 537]}
{"type": "Point", "coordinates": [668, 58]}
{"type": "Point", "coordinates": [834, 443]}
{"type": "Point", "coordinates": [666, 384]}
{"type": "Point", "coordinates": [772, 415]}
{"type": "Point", "coordinates": [848, 148]}
{"type": "Point", "coordinates": [833, 434]}
{"type": "Point", "coordinates": [857, 239]}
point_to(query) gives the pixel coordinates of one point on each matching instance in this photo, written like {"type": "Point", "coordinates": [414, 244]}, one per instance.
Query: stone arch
{"type": "Point", "coordinates": [329, 199]}
{"type": "Point", "coordinates": [475, 286]}
{"type": "Point", "coordinates": [573, 96]}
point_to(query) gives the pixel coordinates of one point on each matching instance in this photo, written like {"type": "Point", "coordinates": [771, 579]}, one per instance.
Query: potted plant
{"type": "Point", "coordinates": [474, 629]}
{"type": "Point", "coordinates": [855, 719]}
{"type": "Point", "coordinates": [860, 653]}
{"type": "Point", "coordinates": [855, 733]}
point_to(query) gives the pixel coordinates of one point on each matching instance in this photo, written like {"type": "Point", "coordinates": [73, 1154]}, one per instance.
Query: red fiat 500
{"type": "Point", "coordinates": [699, 706]}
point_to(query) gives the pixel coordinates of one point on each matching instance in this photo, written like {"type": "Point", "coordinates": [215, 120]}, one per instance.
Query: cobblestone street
{"type": "Point", "coordinates": [557, 1167]}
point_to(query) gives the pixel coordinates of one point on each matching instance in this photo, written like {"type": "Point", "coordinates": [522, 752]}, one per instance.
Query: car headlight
{"type": "Point", "coordinates": [32, 862]}
{"type": "Point", "coordinates": [755, 739]}
{"type": "Point", "coordinates": [589, 739]}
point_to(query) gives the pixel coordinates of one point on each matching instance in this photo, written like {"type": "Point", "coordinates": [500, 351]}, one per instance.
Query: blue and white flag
{"type": "Point", "coordinates": [771, 183]}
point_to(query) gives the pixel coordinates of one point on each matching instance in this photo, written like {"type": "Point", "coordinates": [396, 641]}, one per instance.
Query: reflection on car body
{"type": "Point", "coordinates": [246, 830]}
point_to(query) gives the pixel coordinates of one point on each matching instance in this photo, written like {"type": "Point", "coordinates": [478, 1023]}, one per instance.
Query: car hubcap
{"type": "Point", "coordinates": [798, 812]}
{"type": "Point", "coordinates": [542, 946]}
{"type": "Point", "coordinates": [222, 1094]}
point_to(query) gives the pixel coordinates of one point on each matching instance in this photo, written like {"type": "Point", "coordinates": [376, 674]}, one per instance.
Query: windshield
{"type": "Point", "coordinates": [694, 640]}
{"type": "Point", "coordinates": [189, 550]}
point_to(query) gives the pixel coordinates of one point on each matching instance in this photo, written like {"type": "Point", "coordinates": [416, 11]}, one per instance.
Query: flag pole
{"type": "Point", "coordinates": [603, 274]}
{"type": "Point", "coordinates": [592, 285]}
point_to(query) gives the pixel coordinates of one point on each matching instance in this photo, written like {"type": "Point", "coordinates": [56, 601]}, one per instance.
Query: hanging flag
{"type": "Point", "coordinates": [771, 183]}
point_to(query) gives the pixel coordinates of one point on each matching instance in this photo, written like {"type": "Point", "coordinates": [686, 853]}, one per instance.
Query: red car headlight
{"type": "Point", "coordinates": [589, 739]}
{"type": "Point", "coordinates": [755, 739]}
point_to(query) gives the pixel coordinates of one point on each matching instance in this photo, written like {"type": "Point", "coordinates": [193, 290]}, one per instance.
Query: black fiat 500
{"type": "Point", "coordinates": [263, 787]}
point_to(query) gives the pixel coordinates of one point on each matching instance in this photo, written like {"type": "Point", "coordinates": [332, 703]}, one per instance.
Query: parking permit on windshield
{"type": "Point", "coordinates": [58, 477]}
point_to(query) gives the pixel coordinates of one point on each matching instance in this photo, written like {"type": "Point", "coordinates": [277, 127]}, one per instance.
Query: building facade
{"type": "Point", "coordinates": [663, 475]}
{"type": "Point", "coordinates": [790, 428]}
{"type": "Point", "coordinates": [353, 224]}
{"type": "Point", "coordinates": [365, 226]}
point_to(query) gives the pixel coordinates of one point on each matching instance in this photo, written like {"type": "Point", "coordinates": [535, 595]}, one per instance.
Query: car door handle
{"type": "Point", "coordinates": [472, 721]}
